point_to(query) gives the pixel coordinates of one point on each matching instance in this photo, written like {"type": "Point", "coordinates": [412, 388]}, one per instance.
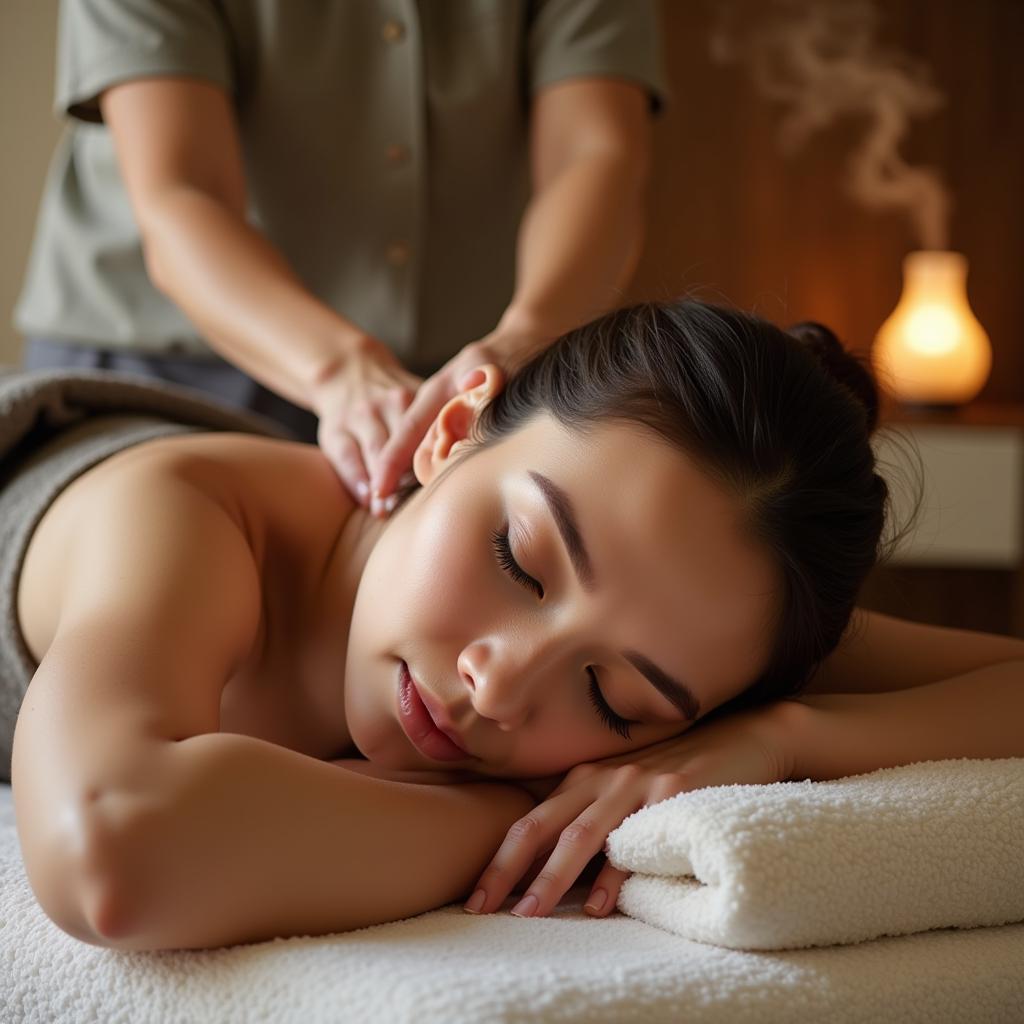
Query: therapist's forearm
{"type": "Point", "coordinates": [578, 246]}
{"type": "Point", "coordinates": [979, 714]}
{"type": "Point", "coordinates": [241, 294]}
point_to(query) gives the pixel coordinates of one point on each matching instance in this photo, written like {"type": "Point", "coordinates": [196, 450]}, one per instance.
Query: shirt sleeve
{"type": "Point", "coordinates": [617, 38]}
{"type": "Point", "coordinates": [102, 42]}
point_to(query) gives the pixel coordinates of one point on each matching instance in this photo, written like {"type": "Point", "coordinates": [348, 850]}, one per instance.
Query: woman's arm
{"type": "Point", "coordinates": [978, 714]}
{"type": "Point", "coordinates": [879, 653]}
{"type": "Point", "coordinates": [895, 692]}
{"type": "Point", "coordinates": [233, 839]}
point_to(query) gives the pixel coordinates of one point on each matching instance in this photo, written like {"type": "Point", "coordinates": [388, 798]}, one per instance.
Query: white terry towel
{"type": "Point", "coordinates": [935, 844]}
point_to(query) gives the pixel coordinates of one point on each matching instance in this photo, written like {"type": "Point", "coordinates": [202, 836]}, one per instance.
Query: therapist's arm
{"type": "Point", "coordinates": [178, 149]}
{"type": "Point", "coordinates": [581, 234]}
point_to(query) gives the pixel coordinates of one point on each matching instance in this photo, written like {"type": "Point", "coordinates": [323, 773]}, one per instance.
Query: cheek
{"type": "Point", "coordinates": [429, 577]}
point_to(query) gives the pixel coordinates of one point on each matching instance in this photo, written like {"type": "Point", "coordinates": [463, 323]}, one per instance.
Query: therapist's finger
{"type": "Point", "coordinates": [351, 445]}
{"type": "Point", "coordinates": [342, 451]}
{"type": "Point", "coordinates": [395, 456]}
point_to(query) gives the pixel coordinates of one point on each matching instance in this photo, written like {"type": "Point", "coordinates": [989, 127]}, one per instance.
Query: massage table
{"type": "Point", "coordinates": [446, 967]}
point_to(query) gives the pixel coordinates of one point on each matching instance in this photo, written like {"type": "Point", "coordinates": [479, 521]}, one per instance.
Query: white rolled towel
{"type": "Point", "coordinates": [935, 844]}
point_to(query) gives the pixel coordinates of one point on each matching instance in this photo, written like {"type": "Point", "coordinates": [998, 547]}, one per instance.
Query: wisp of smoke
{"type": "Point", "coordinates": [821, 59]}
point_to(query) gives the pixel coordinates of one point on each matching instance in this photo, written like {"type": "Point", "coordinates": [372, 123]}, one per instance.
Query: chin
{"type": "Point", "coordinates": [370, 732]}
{"type": "Point", "coordinates": [380, 750]}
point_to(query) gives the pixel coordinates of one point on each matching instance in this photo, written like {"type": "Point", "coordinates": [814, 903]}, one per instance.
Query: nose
{"type": "Point", "coordinates": [504, 680]}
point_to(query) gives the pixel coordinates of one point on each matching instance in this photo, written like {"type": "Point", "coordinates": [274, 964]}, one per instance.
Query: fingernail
{"type": "Point", "coordinates": [596, 902]}
{"type": "Point", "coordinates": [476, 902]}
{"type": "Point", "coordinates": [526, 906]}
{"type": "Point", "coordinates": [362, 490]}
{"type": "Point", "coordinates": [390, 502]}
{"type": "Point", "coordinates": [376, 505]}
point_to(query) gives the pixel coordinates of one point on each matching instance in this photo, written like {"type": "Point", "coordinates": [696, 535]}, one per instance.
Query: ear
{"type": "Point", "coordinates": [448, 435]}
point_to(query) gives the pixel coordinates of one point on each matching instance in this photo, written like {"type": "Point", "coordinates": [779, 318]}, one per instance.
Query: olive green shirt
{"type": "Point", "coordinates": [385, 146]}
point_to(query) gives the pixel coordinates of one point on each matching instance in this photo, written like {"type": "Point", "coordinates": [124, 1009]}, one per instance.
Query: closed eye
{"type": "Point", "coordinates": [503, 549]}
{"type": "Point", "coordinates": [614, 721]}
{"type": "Point", "coordinates": [499, 538]}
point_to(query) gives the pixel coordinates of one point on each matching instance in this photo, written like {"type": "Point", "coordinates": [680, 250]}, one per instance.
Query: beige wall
{"type": "Point", "coordinates": [29, 131]}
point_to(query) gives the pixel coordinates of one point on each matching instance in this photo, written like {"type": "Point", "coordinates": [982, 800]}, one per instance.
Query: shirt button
{"type": "Point", "coordinates": [392, 31]}
{"type": "Point", "coordinates": [397, 154]}
{"type": "Point", "coordinates": [399, 253]}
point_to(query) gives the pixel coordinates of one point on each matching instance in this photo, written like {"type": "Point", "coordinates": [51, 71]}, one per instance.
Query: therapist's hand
{"type": "Point", "coordinates": [504, 348]}
{"type": "Point", "coordinates": [360, 407]}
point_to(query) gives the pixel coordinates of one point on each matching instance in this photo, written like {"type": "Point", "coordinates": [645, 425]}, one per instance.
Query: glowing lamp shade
{"type": "Point", "coordinates": [932, 350]}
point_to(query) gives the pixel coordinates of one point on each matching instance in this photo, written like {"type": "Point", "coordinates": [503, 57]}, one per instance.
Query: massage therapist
{"type": "Point", "coordinates": [330, 213]}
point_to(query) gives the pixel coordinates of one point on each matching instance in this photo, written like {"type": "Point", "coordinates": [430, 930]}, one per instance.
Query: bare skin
{"type": "Point", "coordinates": [189, 603]}
{"type": "Point", "coordinates": [286, 686]}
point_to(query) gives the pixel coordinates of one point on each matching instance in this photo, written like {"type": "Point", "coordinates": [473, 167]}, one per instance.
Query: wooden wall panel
{"type": "Point", "coordinates": [733, 218]}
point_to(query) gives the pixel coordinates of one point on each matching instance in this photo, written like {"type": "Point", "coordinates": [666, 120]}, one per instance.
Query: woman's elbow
{"type": "Point", "coordinates": [70, 870]}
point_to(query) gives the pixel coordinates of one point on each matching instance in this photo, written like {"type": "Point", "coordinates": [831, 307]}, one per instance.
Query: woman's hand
{"type": "Point", "coordinates": [359, 407]}
{"type": "Point", "coordinates": [503, 348]}
{"type": "Point", "coordinates": [594, 799]}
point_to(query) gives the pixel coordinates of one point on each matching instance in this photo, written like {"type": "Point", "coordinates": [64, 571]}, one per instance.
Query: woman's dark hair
{"type": "Point", "coordinates": [780, 419]}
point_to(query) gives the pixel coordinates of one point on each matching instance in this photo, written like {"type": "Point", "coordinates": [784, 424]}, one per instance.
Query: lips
{"type": "Point", "coordinates": [419, 725]}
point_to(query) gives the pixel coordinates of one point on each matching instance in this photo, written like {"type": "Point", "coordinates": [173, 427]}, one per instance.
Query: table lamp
{"type": "Point", "coordinates": [931, 351]}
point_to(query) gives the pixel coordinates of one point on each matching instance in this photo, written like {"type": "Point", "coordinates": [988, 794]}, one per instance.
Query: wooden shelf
{"type": "Point", "coordinates": [974, 414]}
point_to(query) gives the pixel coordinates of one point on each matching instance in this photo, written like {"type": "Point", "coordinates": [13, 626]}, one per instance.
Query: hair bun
{"type": "Point", "coordinates": [842, 366]}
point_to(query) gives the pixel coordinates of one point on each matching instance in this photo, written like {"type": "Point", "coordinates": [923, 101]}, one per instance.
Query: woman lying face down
{"type": "Point", "coordinates": [668, 512]}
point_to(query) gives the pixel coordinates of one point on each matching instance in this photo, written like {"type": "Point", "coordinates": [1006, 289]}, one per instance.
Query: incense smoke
{"type": "Point", "coordinates": [820, 58]}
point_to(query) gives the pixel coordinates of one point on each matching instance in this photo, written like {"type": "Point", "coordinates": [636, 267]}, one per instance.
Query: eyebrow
{"type": "Point", "coordinates": [560, 505]}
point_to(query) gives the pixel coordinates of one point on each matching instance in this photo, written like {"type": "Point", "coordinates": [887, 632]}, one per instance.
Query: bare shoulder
{"type": "Point", "coordinates": [180, 507]}
{"type": "Point", "coordinates": [880, 652]}
{"type": "Point", "coordinates": [144, 571]}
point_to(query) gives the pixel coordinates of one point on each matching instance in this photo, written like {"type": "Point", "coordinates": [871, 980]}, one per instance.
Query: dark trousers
{"type": "Point", "coordinates": [214, 375]}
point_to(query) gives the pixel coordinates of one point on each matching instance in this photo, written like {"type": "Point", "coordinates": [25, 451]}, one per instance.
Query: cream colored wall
{"type": "Point", "coordinates": [29, 132]}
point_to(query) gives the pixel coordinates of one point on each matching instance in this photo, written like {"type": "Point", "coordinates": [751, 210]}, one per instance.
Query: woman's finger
{"type": "Point", "coordinates": [586, 836]}
{"type": "Point", "coordinates": [532, 872]}
{"type": "Point", "coordinates": [577, 844]}
{"type": "Point", "coordinates": [604, 893]}
{"type": "Point", "coordinates": [534, 832]}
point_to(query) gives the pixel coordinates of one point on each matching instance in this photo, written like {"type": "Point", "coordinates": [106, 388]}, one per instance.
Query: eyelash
{"type": "Point", "coordinates": [616, 723]}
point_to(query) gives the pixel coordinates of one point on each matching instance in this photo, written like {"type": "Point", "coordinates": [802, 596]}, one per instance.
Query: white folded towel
{"type": "Point", "coordinates": [935, 844]}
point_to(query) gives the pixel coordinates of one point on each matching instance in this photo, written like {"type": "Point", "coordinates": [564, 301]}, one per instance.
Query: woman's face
{"type": "Point", "coordinates": [630, 567]}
